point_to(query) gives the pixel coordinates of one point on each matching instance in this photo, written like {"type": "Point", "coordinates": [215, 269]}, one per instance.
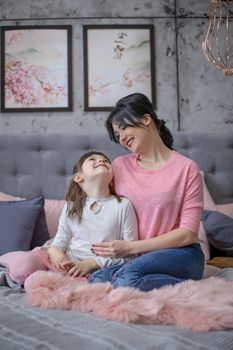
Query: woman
{"type": "Point", "coordinates": [166, 191]}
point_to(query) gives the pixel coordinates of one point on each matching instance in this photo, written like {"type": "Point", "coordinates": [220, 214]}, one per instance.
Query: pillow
{"type": "Point", "coordinates": [22, 224]}
{"type": "Point", "coordinates": [47, 222]}
{"type": "Point", "coordinates": [9, 197]}
{"type": "Point", "coordinates": [209, 204]}
{"type": "Point", "coordinates": [208, 200]}
{"type": "Point", "coordinates": [21, 264]}
{"type": "Point", "coordinates": [226, 209]}
{"type": "Point", "coordinates": [41, 234]}
{"type": "Point", "coordinates": [219, 230]}
{"type": "Point", "coordinates": [53, 209]}
{"type": "Point", "coordinates": [203, 241]}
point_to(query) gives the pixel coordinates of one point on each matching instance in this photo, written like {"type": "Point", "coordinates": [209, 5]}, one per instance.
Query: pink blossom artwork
{"type": "Point", "coordinates": [36, 68]}
{"type": "Point", "coordinates": [118, 60]}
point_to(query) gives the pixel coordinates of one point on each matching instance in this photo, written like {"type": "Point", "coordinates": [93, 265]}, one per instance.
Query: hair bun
{"type": "Point", "coordinates": [161, 124]}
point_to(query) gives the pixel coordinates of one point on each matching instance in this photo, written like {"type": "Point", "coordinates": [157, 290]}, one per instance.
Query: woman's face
{"type": "Point", "coordinates": [134, 138]}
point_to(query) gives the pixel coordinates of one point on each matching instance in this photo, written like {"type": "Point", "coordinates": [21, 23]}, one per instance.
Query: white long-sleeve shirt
{"type": "Point", "coordinates": [110, 220]}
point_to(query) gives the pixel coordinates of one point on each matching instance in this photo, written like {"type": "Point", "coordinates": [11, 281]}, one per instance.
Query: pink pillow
{"type": "Point", "coordinates": [208, 205]}
{"type": "Point", "coordinates": [8, 197]}
{"type": "Point", "coordinates": [226, 209]}
{"type": "Point", "coordinates": [208, 200]}
{"type": "Point", "coordinates": [22, 264]}
{"type": "Point", "coordinates": [202, 238]}
{"type": "Point", "coordinates": [53, 209]}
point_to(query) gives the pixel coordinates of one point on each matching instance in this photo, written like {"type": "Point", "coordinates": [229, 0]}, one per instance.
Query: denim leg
{"type": "Point", "coordinates": [161, 267]}
{"type": "Point", "coordinates": [104, 274]}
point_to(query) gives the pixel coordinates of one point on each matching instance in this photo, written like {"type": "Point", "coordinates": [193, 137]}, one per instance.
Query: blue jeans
{"type": "Point", "coordinates": [155, 269]}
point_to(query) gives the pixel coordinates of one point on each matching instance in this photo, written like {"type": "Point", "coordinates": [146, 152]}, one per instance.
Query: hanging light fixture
{"type": "Point", "coordinates": [218, 42]}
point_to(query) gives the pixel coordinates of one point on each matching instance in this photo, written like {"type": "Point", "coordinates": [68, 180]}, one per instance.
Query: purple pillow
{"type": "Point", "coordinates": [219, 231]}
{"type": "Point", "coordinates": [22, 224]}
{"type": "Point", "coordinates": [41, 233]}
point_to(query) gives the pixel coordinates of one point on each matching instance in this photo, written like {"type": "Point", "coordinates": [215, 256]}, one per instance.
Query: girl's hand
{"type": "Point", "coordinates": [113, 249]}
{"type": "Point", "coordinates": [82, 268]}
{"type": "Point", "coordinates": [56, 258]}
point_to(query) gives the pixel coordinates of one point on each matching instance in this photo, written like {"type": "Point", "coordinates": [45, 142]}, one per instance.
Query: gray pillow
{"type": "Point", "coordinates": [21, 223]}
{"type": "Point", "coordinates": [219, 231]}
{"type": "Point", "coordinates": [41, 233]}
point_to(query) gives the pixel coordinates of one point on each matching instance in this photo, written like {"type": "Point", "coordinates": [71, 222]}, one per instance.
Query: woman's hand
{"type": "Point", "coordinates": [81, 268]}
{"type": "Point", "coordinates": [113, 249]}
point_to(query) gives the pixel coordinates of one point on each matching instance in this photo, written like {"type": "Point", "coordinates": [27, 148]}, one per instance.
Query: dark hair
{"type": "Point", "coordinates": [76, 197]}
{"type": "Point", "coordinates": [129, 111]}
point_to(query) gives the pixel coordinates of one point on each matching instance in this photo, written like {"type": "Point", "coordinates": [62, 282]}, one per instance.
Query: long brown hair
{"type": "Point", "coordinates": [76, 197]}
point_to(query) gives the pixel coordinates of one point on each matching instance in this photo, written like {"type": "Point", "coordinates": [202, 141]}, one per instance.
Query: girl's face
{"type": "Point", "coordinates": [95, 166]}
{"type": "Point", "coordinates": [134, 138]}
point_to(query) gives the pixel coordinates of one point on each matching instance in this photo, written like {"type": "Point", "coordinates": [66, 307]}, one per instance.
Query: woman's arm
{"type": "Point", "coordinates": [173, 239]}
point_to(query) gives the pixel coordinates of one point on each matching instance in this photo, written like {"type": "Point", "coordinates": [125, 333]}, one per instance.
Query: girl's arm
{"type": "Point", "coordinates": [63, 235]}
{"type": "Point", "coordinates": [56, 257]}
{"type": "Point", "coordinates": [129, 224]}
{"type": "Point", "coordinates": [58, 248]}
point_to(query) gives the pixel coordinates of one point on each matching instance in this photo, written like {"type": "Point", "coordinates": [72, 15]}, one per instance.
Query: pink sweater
{"type": "Point", "coordinates": [164, 199]}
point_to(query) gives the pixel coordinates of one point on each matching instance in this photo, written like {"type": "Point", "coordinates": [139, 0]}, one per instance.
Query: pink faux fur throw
{"type": "Point", "coordinates": [196, 305]}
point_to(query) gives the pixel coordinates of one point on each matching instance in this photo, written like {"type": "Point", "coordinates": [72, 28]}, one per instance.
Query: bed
{"type": "Point", "coordinates": [35, 165]}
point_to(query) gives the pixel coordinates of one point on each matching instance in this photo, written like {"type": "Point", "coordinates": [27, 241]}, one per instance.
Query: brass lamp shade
{"type": "Point", "coordinates": [218, 42]}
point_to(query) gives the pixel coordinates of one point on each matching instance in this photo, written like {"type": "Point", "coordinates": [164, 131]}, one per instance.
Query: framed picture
{"type": "Point", "coordinates": [118, 61]}
{"type": "Point", "coordinates": [36, 68]}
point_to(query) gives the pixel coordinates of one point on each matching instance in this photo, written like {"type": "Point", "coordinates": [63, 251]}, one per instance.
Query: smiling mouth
{"type": "Point", "coordinates": [129, 142]}
{"type": "Point", "coordinates": [97, 166]}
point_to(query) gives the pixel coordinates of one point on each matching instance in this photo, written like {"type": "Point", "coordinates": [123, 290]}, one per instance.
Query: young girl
{"type": "Point", "coordinates": [92, 212]}
{"type": "Point", "coordinates": [166, 191]}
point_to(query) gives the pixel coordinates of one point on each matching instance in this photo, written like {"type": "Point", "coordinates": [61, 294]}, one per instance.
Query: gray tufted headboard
{"type": "Point", "coordinates": [42, 164]}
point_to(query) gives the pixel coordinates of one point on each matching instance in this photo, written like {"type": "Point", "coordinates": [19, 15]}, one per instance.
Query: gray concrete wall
{"type": "Point", "coordinates": [191, 94]}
